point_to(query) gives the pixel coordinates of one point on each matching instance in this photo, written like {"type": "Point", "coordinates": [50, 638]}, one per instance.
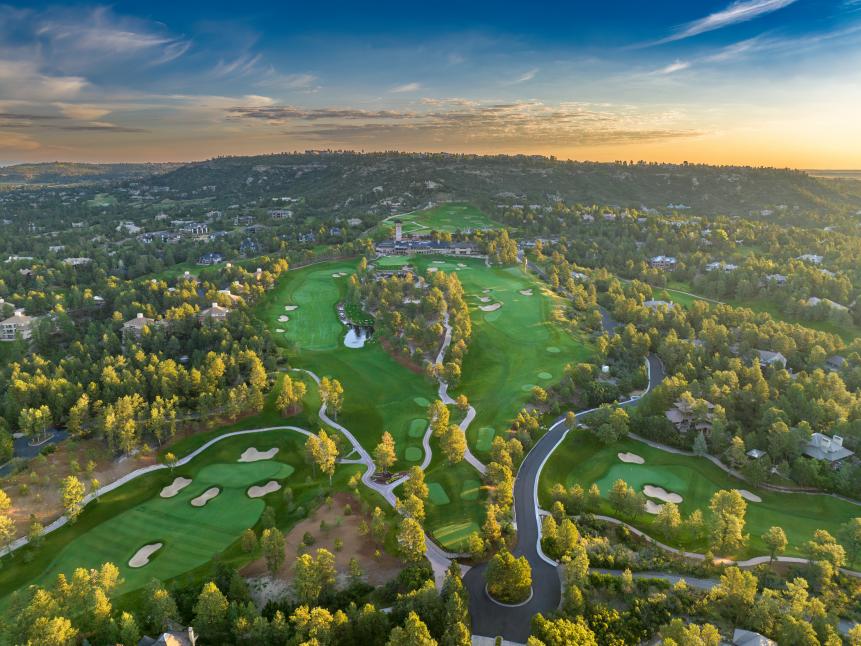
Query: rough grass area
{"type": "Point", "coordinates": [581, 459]}
{"type": "Point", "coordinates": [437, 494]}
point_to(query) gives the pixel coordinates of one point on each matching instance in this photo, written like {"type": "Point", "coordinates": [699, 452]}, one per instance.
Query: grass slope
{"type": "Point", "coordinates": [581, 459]}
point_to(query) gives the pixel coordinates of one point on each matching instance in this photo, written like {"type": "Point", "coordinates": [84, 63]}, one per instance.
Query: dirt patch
{"type": "Point", "coordinates": [253, 455]}
{"type": "Point", "coordinates": [340, 527]}
{"type": "Point", "coordinates": [42, 492]}
{"type": "Point", "coordinates": [175, 487]}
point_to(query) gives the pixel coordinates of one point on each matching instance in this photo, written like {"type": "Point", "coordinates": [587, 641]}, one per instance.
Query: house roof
{"type": "Point", "coordinates": [749, 638]}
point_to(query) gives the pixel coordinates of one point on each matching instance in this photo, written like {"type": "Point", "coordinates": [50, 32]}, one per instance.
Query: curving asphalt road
{"type": "Point", "coordinates": [491, 619]}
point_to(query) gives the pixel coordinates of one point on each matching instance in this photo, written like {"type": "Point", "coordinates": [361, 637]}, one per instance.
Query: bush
{"type": "Point", "coordinates": [6, 446]}
{"type": "Point", "coordinates": [308, 539]}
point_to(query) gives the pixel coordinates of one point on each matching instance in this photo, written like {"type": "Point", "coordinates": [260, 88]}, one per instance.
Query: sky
{"type": "Point", "coordinates": [750, 82]}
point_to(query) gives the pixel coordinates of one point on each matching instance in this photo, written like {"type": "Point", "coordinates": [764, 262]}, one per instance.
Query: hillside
{"type": "Point", "coordinates": [352, 182]}
{"type": "Point", "coordinates": [66, 173]}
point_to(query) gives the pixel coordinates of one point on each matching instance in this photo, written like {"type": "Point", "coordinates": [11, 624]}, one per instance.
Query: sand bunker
{"type": "Point", "coordinates": [253, 455]}
{"type": "Point", "coordinates": [141, 557]}
{"type": "Point", "coordinates": [175, 487]}
{"type": "Point", "coordinates": [439, 262]}
{"type": "Point", "coordinates": [484, 299]}
{"type": "Point", "coordinates": [290, 308]}
{"type": "Point", "coordinates": [205, 497]}
{"type": "Point", "coordinates": [631, 458]}
{"type": "Point", "coordinates": [460, 264]}
{"type": "Point", "coordinates": [336, 275]}
{"type": "Point", "coordinates": [747, 495]}
{"type": "Point", "coordinates": [526, 292]}
{"type": "Point", "coordinates": [258, 491]}
{"type": "Point", "coordinates": [653, 507]}
{"type": "Point", "coordinates": [661, 494]}
{"type": "Point", "coordinates": [490, 308]}
{"type": "Point", "coordinates": [283, 318]}
{"type": "Point", "coordinates": [486, 291]}
{"type": "Point", "coordinates": [279, 329]}
{"type": "Point", "coordinates": [432, 270]}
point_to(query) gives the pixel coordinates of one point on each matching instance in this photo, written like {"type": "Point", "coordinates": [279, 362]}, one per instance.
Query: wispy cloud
{"type": "Point", "coordinates": [527, 76]}
{"type": "Point", "coordinates": [239, 66]}
{"type": "Point", "coordinates": [406, 87]}
{"type": "Point", "coordinates": [739, 11]}
{"type": "Point", "coordinates": [675, 66]}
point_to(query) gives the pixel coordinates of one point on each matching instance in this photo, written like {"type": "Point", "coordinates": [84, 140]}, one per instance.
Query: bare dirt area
{"type": "Point", "coordinates": [36, 489]}
{"type": "Point", "coordinates": [338, 527]}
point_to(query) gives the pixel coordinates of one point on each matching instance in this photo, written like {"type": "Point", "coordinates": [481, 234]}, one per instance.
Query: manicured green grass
{"type": "Point", "coordinates": [134, 515]}
{"type": "Point", "coordinates": [445, 217]}
{"type": "Point", "coordinates": [581, 459]}
{"type": "Point", "coordinates": [418, 427]}
{"type": "Point", "coordinates": [454, 535]}
{"type": "Point", "coordinates": [484, 439]}
{"type": "Point", "coordinates": [102, 200]}
{"type": "Point", "coordinates": [413, 454]}
{"type": "Point", "coordinates": [437, 494]}
{"type": "Point", "coordinates": [471, 490]}
{"type": "Point", "coordinates": [510, 348]}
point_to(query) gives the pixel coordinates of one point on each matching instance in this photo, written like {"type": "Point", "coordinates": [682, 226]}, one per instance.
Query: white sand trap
{"type": "Point", "coordinates": [342, 273]}
{"type": "Point", "coordinates": [205, 497]}
{"type": "Point", "coordinates": [653, 507]}
{"type": "Point", "coordinates": [439, 262]}
{"type": "Point", "coordinates": [526, 292]}
{"type": "Point", "coordinates": [490, 308]}
{"type": "Point", "coordinates": [141, 557]}
{"type": "Point", "coordinates": [258, 491]}
{"type": "Point", "coordinates": [662, 494]}
{"type": "Point", "coordinates": [631, 458]}
{"type": "Point", "coordinates": [336, 275]}
{"type": "Point", "coordinates": [747, 495]}
{"type": "Point", "coordinates": [432, 270]}
{"type": "Point", "coordinates": [486, 291]}
{"type": "Point", "coordinates": [290, 308]}
{"type": "Point", "coordinates": [279, 329]}
{"type": "Point", "coordinates": [460, 264]}
{"type": "Point", "coordinates": [283, 318]}
{"type": "Point", "coordinates": [253, 455]}
{"type": "Point", "coordinates": [484, 299]}
{"type": "Point", "coordinates": [175, 487]}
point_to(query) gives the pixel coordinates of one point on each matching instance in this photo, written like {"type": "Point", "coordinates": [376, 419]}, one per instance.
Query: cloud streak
{"type": "Point", "coordinates": [739, 11]}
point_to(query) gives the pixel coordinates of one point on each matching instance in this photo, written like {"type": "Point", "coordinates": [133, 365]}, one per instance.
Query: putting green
{"type": "Point", "coordinates": [454, 535]}
{"type": "Point", "coordinates": [485, 438]}
{"type": "Point", "coordinates": [437, 494]}
{"type": "Point", "coordinates": [390, 261]}
{"type": "Point", "coordinates": [413, 453]}
{"type": "Point", "coordinates": [545, 375]}
{"type": "Point", "coordinates": [421, 401]}
{"type": "Point", "coordinates": [471, 489]}
{"type": "Point", "coordinates": [582, 459]}
{"type": "Point", "coordinates": [527, 387]}
{"type": "Point", "coordinates": [418, 427]}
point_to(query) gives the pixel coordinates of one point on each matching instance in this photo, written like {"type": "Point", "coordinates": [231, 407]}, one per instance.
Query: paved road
{"type": "Point", "coordinates": [489, 618]}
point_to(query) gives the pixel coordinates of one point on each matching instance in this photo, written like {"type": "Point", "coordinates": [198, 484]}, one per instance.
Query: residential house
{"type": "Point", "coordinates": [210, 258]}
{"type": "Point", "coordinates": [835, 363]}
{"type": "Point", "coordinates": [655, 305]}
{"type": "Point", "coordinates": [135, 327]}
{"type": "Point", "coordinates": [175, 636]}
{"type": "Point", "coordinates": [19, 325]}
{"type": "Point", "coordinates": [215, 313]}
{"type": "Point", "coordinates": [77, 262]}
{"type": "Point", "coordinates": [280, 214]}
{"type": "Point", "coordinates": [811, 258]}
{"type": "Point", "coordinates": [749, 638]}
{"type": "Point", "coordinates": [663, 262]}
{"type": "Point", "coordinates": [777, 279]}
{"type": "Point", "coordinates": [683, 416]}
{"type": "Point", "coordinates": [249, 247]}
{"type": "Point", "coordinates": [720, 266]}
{"type": "Point", "coordinates": [194, 229]}
{"type": "Point", "coordinates": [813, 301]}
{"type": "Point", "coordinates": [768, 358]}
{"type": "Point", "coordinates": [830, 449]}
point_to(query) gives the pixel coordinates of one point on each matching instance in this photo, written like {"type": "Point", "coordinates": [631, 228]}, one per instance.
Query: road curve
{"type": "Point", "coordinates": [489, 618]}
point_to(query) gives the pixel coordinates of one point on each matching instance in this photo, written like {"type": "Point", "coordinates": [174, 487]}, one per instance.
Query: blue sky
{"type": "Point", "coordinates": [773, 82]}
